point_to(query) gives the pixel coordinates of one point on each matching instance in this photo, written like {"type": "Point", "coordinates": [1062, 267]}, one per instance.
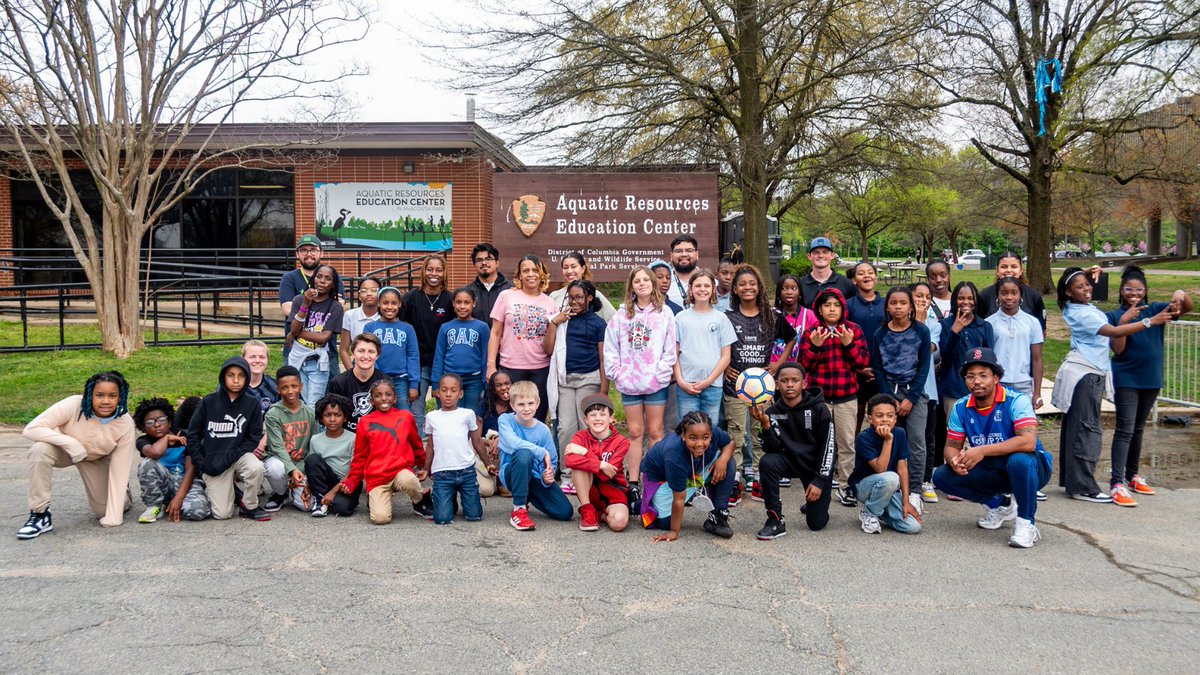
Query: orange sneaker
{"type": "Point", "coordinates": [1121, 497]}
{"type": "Point", "coordinates": [1140, 486]}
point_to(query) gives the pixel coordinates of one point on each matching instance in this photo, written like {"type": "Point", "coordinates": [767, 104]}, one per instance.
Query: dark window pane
{"type": "Point", "coordinates": [254, 183]}
{"type": "Point", "coordinates": [208, 223]}
{"type": "Point", "coordinates": [221, 183]}
{"type": "Point", "coordinates": [168, 231]}
{"type": "Point", "coordinates": [266, 223]}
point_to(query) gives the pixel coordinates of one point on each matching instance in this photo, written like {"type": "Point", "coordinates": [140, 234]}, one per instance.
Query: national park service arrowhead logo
{"type": "Point", "coordinates": [528, 211]}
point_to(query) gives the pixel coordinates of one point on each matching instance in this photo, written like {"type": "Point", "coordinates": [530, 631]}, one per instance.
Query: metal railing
{"type": "Point", "coordinates": [1181, 363]}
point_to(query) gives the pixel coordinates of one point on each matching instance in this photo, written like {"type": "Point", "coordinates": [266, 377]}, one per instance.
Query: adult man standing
{"type": "Point", "coordinates": [488, 283]}
{"type": "Point", "coordinates": [295, 282]}
{"type": "Point", "coordinates": [822, 276]}
{"type": "Point", "coordinates": [1005, 464]}
{"type": "Point", "coordinates": [684, 254]}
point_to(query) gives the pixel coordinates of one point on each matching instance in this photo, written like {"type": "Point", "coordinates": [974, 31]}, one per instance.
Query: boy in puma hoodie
{"type": "Point", "coordinates": [797, 438]}
{"type": "Point", "coordinates": [832, 352]}
{"type": "Point", "coordinates": [221, 441]}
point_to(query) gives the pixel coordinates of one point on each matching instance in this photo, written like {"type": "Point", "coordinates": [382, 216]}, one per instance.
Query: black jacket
{"type": "Point", "coordinates": [485, 299]}
{"type": "Point", "coordinates": [810, 288]}
{"type": "Point", "coordinates": [223, 430]}
{"type": "Point", "coordinates": [804, 434]}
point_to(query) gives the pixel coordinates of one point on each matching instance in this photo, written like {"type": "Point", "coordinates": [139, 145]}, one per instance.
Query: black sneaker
{"type": "Point", "coordinates": [774, 528]}
{"type": "Point", "coordinates": [259, 513]}
{"type": "Point", "coordinates": [718, 524]}
{"type": "Point", "coordinates": [735, 496]}
{"type": "Point", "coordinates": [38, 524]}
{"type": "Point", "coordinates": [633, 493]}
{"type": "Point", "coordinates": [846, 496]}
{"type": "Point", "coordinates": [785, 482]}
{"type": "Point", "coordinates": [274, 503]}
{"type": "Point", "coordinates": [424, 508]}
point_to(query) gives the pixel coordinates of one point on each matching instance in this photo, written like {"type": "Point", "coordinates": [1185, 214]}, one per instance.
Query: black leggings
{"type": "Point", "coordinates": [935, 439]}
{"type": "Point", "coordinates": [538, 377]}
{"type": "Point", "coordinates": [322, 479]}
{"type": "Point", "coordinates": [1133, 407]}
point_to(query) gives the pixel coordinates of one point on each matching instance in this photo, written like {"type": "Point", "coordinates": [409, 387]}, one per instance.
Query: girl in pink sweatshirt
{"type": "Point", "coordinates": [639, 358]}
{"type": "Point", "coordinates": [95, 433]}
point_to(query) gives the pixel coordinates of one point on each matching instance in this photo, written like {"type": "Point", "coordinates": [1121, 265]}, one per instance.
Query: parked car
{"type": "Point", "coordinates": [972, 253]}
{"type": "Point", "coordinates": [1113, 254]}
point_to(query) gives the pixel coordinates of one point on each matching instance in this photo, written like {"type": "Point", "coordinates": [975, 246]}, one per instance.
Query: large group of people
{"type": "Point", "coordinates": [882, 400]}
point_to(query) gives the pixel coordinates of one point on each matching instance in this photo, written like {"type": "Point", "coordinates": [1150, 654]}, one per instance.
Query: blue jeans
{"type": "Point", "coordinates": [417, 407]}
{"type": "Point", "coordinates": [527, 490]}
{"type": "Point", "coordinates": [1021, 473]}
{"type": "Point", "coordinates": [708, 402]}
{"type": "Point", "coordinates": [445, 485]}
{"type": "Point", "coordinates": [472, 391]}
{"type": "Point", "coordinates": [880, 495]}
{"type": "Point", "coordinates": [400, 384]}
{"type": "Point", "coordinates": [313, 380]}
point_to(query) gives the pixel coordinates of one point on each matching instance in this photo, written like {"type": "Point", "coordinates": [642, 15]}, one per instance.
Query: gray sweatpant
{"type": "Point", "coordinates": [914, 428]}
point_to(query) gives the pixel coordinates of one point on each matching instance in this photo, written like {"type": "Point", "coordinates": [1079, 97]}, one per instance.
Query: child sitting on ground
{"type": "Point", "coordinates": [387, 454]}
{"type": "Point", "coordinates": [695, 460]}
{"type": "Point", "coordinates": [328, 459]}
{"type": "Point", "coordinates": [166, 473]}
{"type": "Point", "coordinates": [880, 477]}
{"type": "Point", "coordinates": [528, 460]}
{"type": "Point", "coordinates": [596, 457]}
{"type": "Point", "coordinates": [454, 442]}
{"type": "Point", "coordinates": [797, 440]}
{"type": "Point", "coordinates": [289, 426]}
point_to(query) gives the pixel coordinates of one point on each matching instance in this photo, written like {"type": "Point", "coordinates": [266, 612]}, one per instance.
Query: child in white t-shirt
{"type": "Point", "coordinates": [453, 442]}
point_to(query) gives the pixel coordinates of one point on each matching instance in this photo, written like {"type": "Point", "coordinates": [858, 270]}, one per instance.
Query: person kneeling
{"type": "Point", "coordinates": [880, 477]}
{"type": "Point", "coordinates": [798, 442]}
{"type": "Point", "coordinates": [387, 452]}
{"type": "Point", "coordinates": [596, 458]}
{"type": "Point", "coordinates": [685, 468]}
{"type": "Point", "coordinates": [528, 460]}
{"type": "Point", "coordinates": [1005, 455]}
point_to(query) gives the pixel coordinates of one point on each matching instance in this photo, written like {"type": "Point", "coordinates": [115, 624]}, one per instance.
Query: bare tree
{"type": "Point", "coordinates": [135, 92]}
{"type": "Point", "coordinates": [773, 91]}
{"type": "Point", "coordinates": [1003, 65]}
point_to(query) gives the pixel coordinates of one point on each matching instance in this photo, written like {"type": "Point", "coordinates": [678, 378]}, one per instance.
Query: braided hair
{"type": "Point", "coordinates": [490, 399]}
{"type": "Point", "coordinates": [693, 417]}
{"type": "Point", "coordinates": [589, 291]}
{"type": "Point", "coordinates": [112, 377]}
{"type": "Point", "coordinates": [146, 405]}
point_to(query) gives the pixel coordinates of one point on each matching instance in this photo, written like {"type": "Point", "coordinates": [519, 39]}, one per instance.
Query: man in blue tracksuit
{"type": "Point", "coordinates": [1004, 464]}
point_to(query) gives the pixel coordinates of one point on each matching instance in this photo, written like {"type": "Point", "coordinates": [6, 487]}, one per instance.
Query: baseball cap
{"type": "Point", "coordinates": [595, 399]}
{"type": "Point", "coordinates": [309, 240]}
{"type": "Point", "coordinates": [982, 356]}
{"type": "Point", "coordinates": [820, 242]}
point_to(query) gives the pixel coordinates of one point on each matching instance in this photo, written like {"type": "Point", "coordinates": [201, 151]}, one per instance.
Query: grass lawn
{"type": "Point", "coordinates": [1192, 265]}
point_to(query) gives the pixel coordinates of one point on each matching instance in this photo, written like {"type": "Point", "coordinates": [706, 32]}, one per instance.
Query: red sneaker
{"type": "Point", "coordinates": [521, 520]}
{"type": "Point", "coordinates": [756, 491]}
{"type": "Point", "coordinates": [735, 497]}
{"type": "Point", "coordinates": [1140, 486]}
{"type": "Point", "coordinates": [589, 521]}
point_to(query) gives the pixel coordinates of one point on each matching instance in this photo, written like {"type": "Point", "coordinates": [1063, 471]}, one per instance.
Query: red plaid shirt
{"type": "Point", "coordinates": [832, 366]}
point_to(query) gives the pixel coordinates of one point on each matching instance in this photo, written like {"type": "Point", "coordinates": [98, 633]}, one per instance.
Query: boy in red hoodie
{"type": "Point", "coordinates": [387, 454]}
{"type": "Point", "coordinates": [596, 457]}
{"type": "Point", "coordinates": [832, 352]}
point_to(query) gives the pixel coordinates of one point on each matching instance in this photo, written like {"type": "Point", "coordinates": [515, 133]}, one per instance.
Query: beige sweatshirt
{"type": "Point", "coordinates": [88, 440]}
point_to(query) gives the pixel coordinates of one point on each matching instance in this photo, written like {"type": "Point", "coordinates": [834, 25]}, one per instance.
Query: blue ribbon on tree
{"type": "Point", "coordinates": [1047, 76]}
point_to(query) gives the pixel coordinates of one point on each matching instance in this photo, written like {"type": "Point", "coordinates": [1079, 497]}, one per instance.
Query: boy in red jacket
{"type": "Point", "coordinates": [596, 457]}
{"type": "Point", "coordinates": [387, 454]}
{"type": "Point", "coordinates": [832, 352]}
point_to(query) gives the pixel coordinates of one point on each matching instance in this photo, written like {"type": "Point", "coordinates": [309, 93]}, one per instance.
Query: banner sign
{"type": "Point", "coordinates": [389, 216]}
{"type": "Point", "coordinates": [616, 220]}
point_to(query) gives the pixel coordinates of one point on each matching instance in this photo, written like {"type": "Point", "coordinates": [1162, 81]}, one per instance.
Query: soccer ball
{"type": "Point", "coordinates": [755, 386]}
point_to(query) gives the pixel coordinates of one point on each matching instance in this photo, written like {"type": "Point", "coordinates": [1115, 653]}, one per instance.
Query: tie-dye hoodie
{"type": "Point", "coordinates": [639, 351]}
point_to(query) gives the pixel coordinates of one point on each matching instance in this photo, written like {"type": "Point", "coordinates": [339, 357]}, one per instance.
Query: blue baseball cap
{"type": "Point", "coordinates": [820, 242]}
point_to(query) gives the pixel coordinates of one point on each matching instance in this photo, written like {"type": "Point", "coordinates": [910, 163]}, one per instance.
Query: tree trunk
{"type": "Point", "coordinates": [866, 245]}
{"type": "Point", "coordinates": [752, 170]}
{"type": "Point", "coordinates": [117, 294]}
{"type": "Point", "coordinates": [1039, 197]}
{"type": "Point", "coordinates": [1154, 232]}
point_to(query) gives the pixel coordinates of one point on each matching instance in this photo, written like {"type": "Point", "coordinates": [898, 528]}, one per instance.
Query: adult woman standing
{"type": "Point", "coordinates": [520, 319]}
{"type": "Point", "coordinates": [575, 268]}
{"type": "Point", "coordinates": [1138, 377]}
{"type": "Point", "coordinates": [426, 308]}
{"type": "Point", "coordinates": [1009, 266]}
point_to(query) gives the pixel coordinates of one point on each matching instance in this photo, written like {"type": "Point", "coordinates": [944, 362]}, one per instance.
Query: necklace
{"type": "Point", "coordinates": [433, 302]}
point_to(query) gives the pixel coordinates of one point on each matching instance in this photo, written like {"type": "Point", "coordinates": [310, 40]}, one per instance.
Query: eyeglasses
{"type": "Point", "coordinates": [154, 421]}
{"type": "Point", "coordinates": [1130, 290]}
{"type": "Point", "coordinates": [480, 261]}
{"type": "Point", "coordinates": [683, 250]}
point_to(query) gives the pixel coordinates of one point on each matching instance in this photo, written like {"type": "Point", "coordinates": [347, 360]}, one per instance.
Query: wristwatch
{"type": "Point", "coordinates": [1146, 323]}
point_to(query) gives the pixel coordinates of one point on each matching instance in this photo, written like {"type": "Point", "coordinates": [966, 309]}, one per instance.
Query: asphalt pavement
{"type": "Point", "coordinates": [1107, 589]}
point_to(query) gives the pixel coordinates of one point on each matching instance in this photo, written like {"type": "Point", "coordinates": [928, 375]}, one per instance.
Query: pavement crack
{"type": "Point", "coordinates": [1140, 573]}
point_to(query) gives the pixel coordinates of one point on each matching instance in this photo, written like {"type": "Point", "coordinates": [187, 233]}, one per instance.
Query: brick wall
{"type": "Point", "coordinates": [471, 199]}
{"type": "Point", "coordinates": [6, 228]}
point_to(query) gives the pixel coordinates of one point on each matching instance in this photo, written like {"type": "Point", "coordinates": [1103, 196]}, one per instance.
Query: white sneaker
{"type": "Point", "coordinates": [151, 514]}
{"type": "Point", "coordinates": [993, 519]}
{"type": "Point", "coordinates": [298, 500]}
{"type": "Point", "coordinates": [1025, 534]}
{"type": "Point", "coordinates": [928, 494]}
{"type": "Point", "coordinates": [915, 500]}
{"type": "Point", "coordinates": [870, 524]}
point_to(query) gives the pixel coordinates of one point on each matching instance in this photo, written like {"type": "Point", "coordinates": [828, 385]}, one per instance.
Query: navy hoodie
{"type": "Point", "coordinates": [222, 430]}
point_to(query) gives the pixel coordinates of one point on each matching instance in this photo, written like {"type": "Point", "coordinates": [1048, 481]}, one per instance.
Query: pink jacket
{"type": "Point", "coordinates": [639, 352]}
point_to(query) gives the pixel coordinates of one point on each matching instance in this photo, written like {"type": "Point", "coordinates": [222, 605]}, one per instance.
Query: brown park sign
{"type": "Point", "coordinates": [616, 220]}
